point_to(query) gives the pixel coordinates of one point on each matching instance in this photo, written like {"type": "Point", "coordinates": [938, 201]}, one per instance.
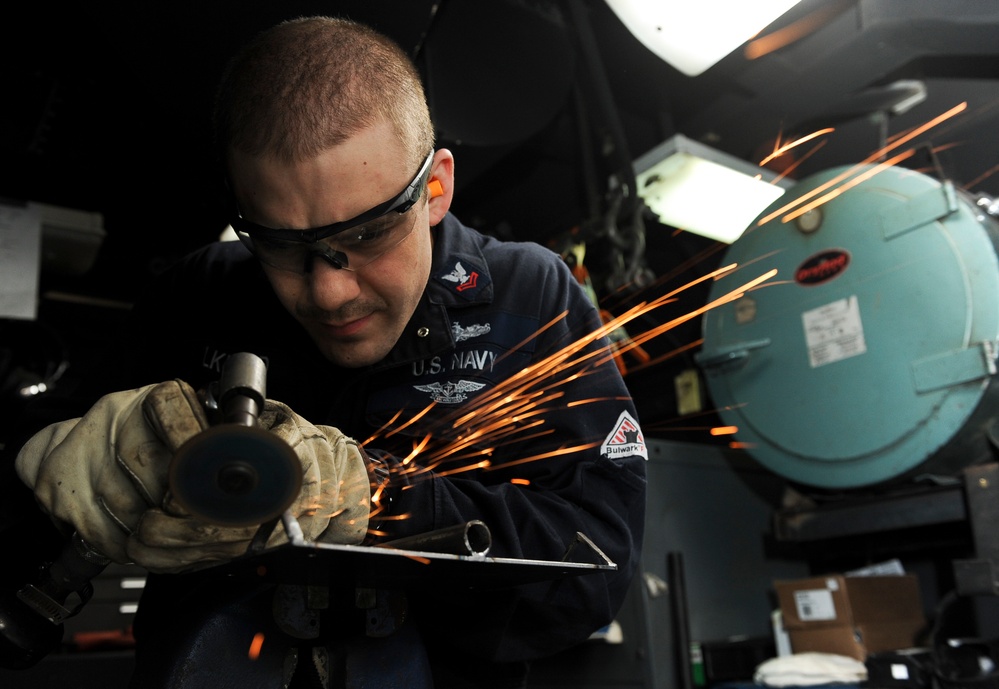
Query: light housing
{"type": "Point", "coordinates": [696, 188]}
{"type": "Point", "coordinates": [694, 35]}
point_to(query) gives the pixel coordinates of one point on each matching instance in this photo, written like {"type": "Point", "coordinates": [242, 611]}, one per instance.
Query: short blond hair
{"type": "Point", "coordinates": [308, 84]}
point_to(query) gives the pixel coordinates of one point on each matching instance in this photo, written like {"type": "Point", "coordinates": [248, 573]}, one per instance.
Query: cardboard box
{"type": "Point", "coordinates": [851, 616]}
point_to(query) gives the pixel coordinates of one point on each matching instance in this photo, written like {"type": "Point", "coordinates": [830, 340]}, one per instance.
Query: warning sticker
{"type": "Point", "coordinates": [813, 605]}
{"type": "Point", "coordinates": [834, 332]}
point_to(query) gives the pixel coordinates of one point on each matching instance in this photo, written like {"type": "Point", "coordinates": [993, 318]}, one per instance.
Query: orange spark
{"type": "Point", "coordinates": [335, 513]}
{"type": "Point", "coordinates": [579, 403]}
{"type": "Point", "coordinates": [480, 465]}
{"type": "Point", "coordinates": [724, 430]}
{"type": "Point", "coordinates": [696, 259]}
{"type": "Point", "coordinates": [413, 420]}
{"type": "Point", "coordinates": [547, 455]}
{"type": "Point", "coordinates": [796, 164]}
{"type": "Point", "coordinates": [854, 181]}
{"type": "Point", "coordinates": [385, 426]}
{"type": "Point", "coordinates": [665, 425]}
{"type": "Point", "coordinates": [516, 409]}
{"type": "Point", "coordinates": [735, 294]}
{"type": "Point", "coordinates": [395, 517]}
{"type": "Point", "coordinates": [877, 155]}
{"type": "Point", "coordinates": [982, 177]}
{"type": "Point", "coordinates": [255, 645]}
{"type": "Point", "coordinates": [791, 33]}
{"type": "Point", "coordinates": [655, 361]}
{"type": "Point", "coordinates": [520, 481]}
{"type": "Point", "coordinates": [781, 150]}
{"type": "Point", "coordinates": [543, 328]}
{"type": "Point", "coordinates": [417, 446]}
{"type": "Point", "coordinates": [376, 497]}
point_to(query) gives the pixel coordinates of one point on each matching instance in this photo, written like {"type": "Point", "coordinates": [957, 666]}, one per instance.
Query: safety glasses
{"type": "Point", "coordinates": [348, 245]}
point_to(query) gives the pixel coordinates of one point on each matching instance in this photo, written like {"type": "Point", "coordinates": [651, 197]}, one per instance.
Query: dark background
{"type": "Point", "coordinates": [106, 108]}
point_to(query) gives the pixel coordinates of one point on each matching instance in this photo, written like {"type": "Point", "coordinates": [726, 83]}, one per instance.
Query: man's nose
{"type": "Point", "coordinates": [332, 287]}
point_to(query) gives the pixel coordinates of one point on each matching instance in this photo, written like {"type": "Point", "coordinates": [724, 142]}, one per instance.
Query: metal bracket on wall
{"type": "Point", "coordinates": [978, 576]}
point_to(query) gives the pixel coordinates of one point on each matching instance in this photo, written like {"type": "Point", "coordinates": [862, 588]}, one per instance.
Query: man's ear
{"type": "Point", "coordinates": [441, 185]}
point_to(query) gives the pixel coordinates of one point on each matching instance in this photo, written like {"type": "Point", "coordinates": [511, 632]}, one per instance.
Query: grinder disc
{"type": "Point", "coordinates": [234, 475]}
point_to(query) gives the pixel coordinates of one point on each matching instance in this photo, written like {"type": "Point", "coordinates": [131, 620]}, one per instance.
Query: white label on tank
{"type": "Point", "coordinates": [814, 604]}
{"type": "Point", "coordinates": [834, 332]}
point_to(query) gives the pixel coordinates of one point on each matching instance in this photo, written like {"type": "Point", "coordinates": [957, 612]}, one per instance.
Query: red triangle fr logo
{"type": "Point", "coordinates": [625, 440]}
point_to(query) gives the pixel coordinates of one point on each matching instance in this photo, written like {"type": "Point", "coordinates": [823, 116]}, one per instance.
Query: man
{"type": "Point", "coordinates": [424, 374]}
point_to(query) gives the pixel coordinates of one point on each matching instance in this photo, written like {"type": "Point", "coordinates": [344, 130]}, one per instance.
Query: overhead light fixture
{"type": "Point", "coordinates": [692, 35]}
{"type": "Point", "coordinates": [696, 188]}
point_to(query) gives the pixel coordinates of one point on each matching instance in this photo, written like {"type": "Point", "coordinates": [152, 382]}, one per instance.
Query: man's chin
{"type": "Point", "coordinates": [349, 354]}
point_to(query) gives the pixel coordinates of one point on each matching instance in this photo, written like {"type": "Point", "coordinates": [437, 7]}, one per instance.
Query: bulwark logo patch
{"type": "Point", "coordinates": [625, 440]}
{"type": "Point", "coordinates": [463, 277]}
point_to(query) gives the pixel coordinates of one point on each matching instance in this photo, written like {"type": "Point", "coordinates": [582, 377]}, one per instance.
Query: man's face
{"type": "Point", "coordinates": [354, 316]}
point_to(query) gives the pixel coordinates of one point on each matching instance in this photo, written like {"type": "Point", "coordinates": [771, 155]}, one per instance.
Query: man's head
{"type": "Point", "coordinates": [324, 126]}
{"type": "Point", "coordinates": [308, 84]}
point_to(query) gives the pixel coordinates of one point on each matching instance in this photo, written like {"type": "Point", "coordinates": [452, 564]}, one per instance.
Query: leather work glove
{"type": "Point", "coordinates": [106, 476]}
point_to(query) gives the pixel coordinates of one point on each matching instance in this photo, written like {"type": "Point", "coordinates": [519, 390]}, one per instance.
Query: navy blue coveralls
{"type": "Point", "coordinates": [490, 310]}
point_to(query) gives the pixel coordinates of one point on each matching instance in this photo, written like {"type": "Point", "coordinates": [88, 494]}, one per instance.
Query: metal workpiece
{"type": "Point", "coordinates": [390, 566]}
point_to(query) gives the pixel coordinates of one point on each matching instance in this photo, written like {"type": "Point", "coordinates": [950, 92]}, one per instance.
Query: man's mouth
{"type": "Point", "coordinates": [346, 328]}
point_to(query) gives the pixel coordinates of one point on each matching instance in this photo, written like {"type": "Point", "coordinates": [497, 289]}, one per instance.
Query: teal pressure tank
{"type": "Point", "coordinates": [870, 358]}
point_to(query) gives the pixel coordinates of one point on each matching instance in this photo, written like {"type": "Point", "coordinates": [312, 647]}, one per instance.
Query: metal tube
{"type": "Point", "coordinates": [470, 538]}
